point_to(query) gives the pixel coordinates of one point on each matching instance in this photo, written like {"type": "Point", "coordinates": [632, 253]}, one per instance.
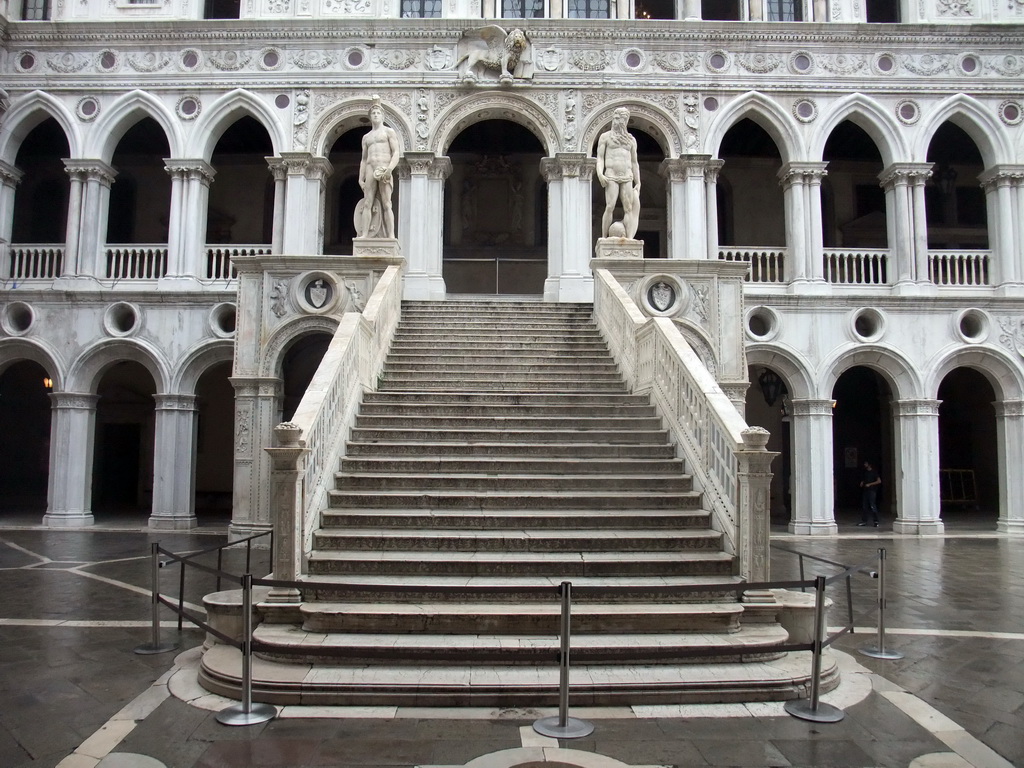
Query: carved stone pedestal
{"type": "Point", "coordinates": [376, 247]}
{"type": "Point", "coordinates": [619, 248]}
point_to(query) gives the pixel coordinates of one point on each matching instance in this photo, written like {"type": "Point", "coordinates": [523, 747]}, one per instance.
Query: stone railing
{"type": "Point", "coordinates": [218, 259]}
{"type": "Point", "coordinates": [136, 262]}
{"type": "Point", "coordinates": [767, 265]}
{"type": "Point", "coordinates": [860, 266]}
{"type": "Point", "coordinates": [35, 262]}
{"type": "Point", "coordinates": [311, 445]}
{"type": "Point", "coordinates": [959, 268]}
{"type": "Point", "coordinates": [727, 460]}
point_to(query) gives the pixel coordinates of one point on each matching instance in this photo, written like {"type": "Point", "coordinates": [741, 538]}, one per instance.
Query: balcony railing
{"type": "Point", "coordinates": [959, 267]}
{"type": "Point", "coordinates": [767, 265]}
{"type": "Point", "coordinates": [218, 259]}
{"type": "Point", "coordinates": [36, 262]}
{"type": "Point", "coordinates": [136, 262]}
{"type": "Point", "coordinates": [863, 266]}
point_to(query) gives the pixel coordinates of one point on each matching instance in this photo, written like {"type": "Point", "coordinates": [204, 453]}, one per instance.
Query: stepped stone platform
{"type": "Point", "coordinates": [501, 455]}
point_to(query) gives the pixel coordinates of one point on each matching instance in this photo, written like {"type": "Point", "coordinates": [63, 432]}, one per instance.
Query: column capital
{"type": "Point", "coordinates": [916, 407]}
{"type": "Point", "coordinates": [568, 165]}
{"type": "Point", "coordinates": [429, 164]}
{"type": "Point", "coordinates": [304, 164]}
{"type": "Point", "coordinates": [915, 174]}
{"type": "Point", "coordinates": [686, 166]}
{"type": "Point", "coordinates": [1009, 409]}
{"type": "Point", "coordinates": [812, 407]}
{"type": "Point", "coordinates": [189, 169]}
{"type": "Point", "coordinates": [255, 386]}
{"type": "Point", "coordinates": [175, 402]}
{"type": "Point", "coordinates": [74, 401]}
{"type": "Point", "coordinates": [9, 174]}
{"type": "Point", "coordinates": [85, 169]}
{"type": "Point", "coordinates": [802, 173]}
{"type": "Point", "coordinates": [1003, 175]}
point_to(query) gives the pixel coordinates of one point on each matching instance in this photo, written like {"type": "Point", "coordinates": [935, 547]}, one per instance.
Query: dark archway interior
{"type": "Point", "coordinates": [300, 363]}
{"type": "Point", "coordinates": [853, 201]}
{"type": "Point", "coordinates": [140, 197]}
{"type": "Point", "coordinates": [215, 405]}
{"type": "Point", "coordinates": [238, 212]}
{"type": "Point", "coordinates": [862, 430]}
{"type": "Point", "coordinates": [751, 207]}
{"type": "Point", "coordinates": [955, 203]}
{"type": "Point", "coordinates": [44, 187]}
{"type": "Point", "coordinates": [25, 448]}
{"type": "Point", "coordinates": [968, 445]}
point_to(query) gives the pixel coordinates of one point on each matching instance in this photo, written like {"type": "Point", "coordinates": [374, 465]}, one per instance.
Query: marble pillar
{"type": "Point", "coordinates": [421, 179]}
{"type": "Point", "coordinates": [186, 229]}
{"type": "Point", "coordinates": [305, 177]}
{"type": "Point", "coordinates": [72, 440]}
{"type": "Point", "coordinates": [900, 182]}
{"type": "Point", "coordinates": [174, 463]}
{"type": "Point", "coordinates": [257, 411]}
{"type": "Point", "coordinates": [917, 467]}
{"type": "Point", "coordinates": [1010, 450]}
{"type": "Point", "coordinates": [9, 179]}
{"type": "Point", "coordinates": [570, 237]}
{"type": "Point", "coordinates": [812, 486]}
{"type": "Point", "coordinates": [87, 214]}
{"type": "Point", "coordinates": [801, 183]}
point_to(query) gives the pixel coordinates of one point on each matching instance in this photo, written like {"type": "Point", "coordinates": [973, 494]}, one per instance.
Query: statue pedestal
{"type": "Point", "coordinates": [619, 248]}
{"type": "Point", "coordinates": [376, 247]}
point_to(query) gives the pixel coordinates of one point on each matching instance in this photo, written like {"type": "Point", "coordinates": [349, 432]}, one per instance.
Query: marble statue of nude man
{"type": "Point", "coordinates": [618, 170]}
{"type": "Point", "coordinates": [381, 154]}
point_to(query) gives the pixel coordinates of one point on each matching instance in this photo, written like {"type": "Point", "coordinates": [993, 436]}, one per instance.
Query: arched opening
{"type": "Point", "coordinates": [968, 445]}
{"type": "Point", "coordinates": [768, 406]}
{"type": "Point", "coordinates": [41, 198]}
{"type": "Point", "coordinates": [214, 444]}
{"type": "Point", "coordinates": [123, 454]}
{"type": "Point", "coordinates": [653, 230]}
{"type": "Point", "coordinates": [140, 197]}
{"type": "Point", "coordinates": [25, 450]}
{"type": "Point", "coordinates": [855, 216]}
{"type": "Point", "coordinates": [495, 235]}
{"type": "Point", "coordinates": [862, 430]}
{"type": "Point", "coordinates": [755, 207]}
{"type": "Point", "coordinates": [954, 201]}
{"type": "Point", "coordinates": [238, 210]}
{"type": "Point", "coordinates": [343, 192]}
{"type": "Point", "coordinates": [297, 368]}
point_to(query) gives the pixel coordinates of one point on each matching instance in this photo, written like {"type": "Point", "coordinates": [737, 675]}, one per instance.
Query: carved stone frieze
{"type": "Point", "coordinates": [928, 65]}
{"type": "Point", "coordinates": [569, 120]}
{"type": "Point", "coordinates": [422, 119]}
{"type": "Point", "coordinates": [843, 64]}
{"type": "Point", "coordinates": [955, 7]}
{"type": "Point", "coordinates": [590, 61]}
{"type": "Point", "coordinates": [1011, 334]}
{"type": "Point", "coordinates": [67, 63]}
{"type": "Point", "coordinates": [148, 61]}
{"type": "Point", "coordinates": [313, 60]}
{"type": "Point", "coordinates": [348, 7]}
{"type": "Point", "coordinates": [396, 60]}
{"type": "Point", "coordinates": [674, 61]}
{"type": "Point", "coordinates": [1007, 66]}
{"type": "Point", "coordinates": [438, 58]}
{"type": "Point", "coordinates": [759, 63]}
{"type": "Point", "coordinates": [229, 61]}
{"type": "Point", "coordinates": [700, 301]}
{"type": "Point", "coordinates": [922, 407]}
{"type": "Point", "coordinates": [279, 298]}
{"type": "Point", "coordinates": [549, 59]}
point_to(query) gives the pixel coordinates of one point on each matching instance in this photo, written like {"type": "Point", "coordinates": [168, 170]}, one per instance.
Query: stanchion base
{"type": "Point", "coordinates": [148, 649]}
{"type": "Point", "coordinates": [874, 653]}
{"type": "Point", "coordinates": [573, 728]}
{"type": "Point", "coordinates": [236, 714]}
{"type": "Point", "coordinates": [825, 713]}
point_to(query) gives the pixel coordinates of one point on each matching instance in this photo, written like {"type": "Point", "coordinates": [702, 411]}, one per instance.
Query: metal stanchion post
{"type": "Point", "coordinates": [879, 652]}
{"type": "Point", "coordinates": [563, 726]}
{"type": "Point", "coordinates": [155, 646]}
{"type": "Point", "coordinates": [814, 710]}
{"type": "Point", "coordinates": [246, 713]}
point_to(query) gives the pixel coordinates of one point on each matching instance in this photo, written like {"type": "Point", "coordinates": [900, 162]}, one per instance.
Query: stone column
{"type": "Point", "coordinates": [303, 202]}
{"type": "Point", "coordinates": [812, 486]}
{"type": "Point", "coordinates": [711, 171]}
{"type": "Point", "coordinates": [186, 230]}
{"type": "Point", "coordinates": [257, 410]}
{"type": "Point", "coordinates": [691, 10]}
{"type": "Point", "coordinates": [174, 464]}
{"type": "Point", "coordinates": [917, 470]}
{"type": "Point", "coordinates": [72, 439]}
{"type": "Point", "coordinates": [89, 218]}
{"type": "Point", "coordinates": [688, 212]}
{"type": "Point", "coordinates": [801, 183]}
{"type": "Point", "coordinates": [754, 478]}
{"type": "Point", "coordinates": [288, 507]}
{"type": "Point", "coordinates": [1002, 185]}
{"type": "Point", "coordinates": [674, 173]}
{"type": "Point", "coordinates": [421, 178]}
{"type": "Point", "coordinates": [280, 173]}
{"type": "Point", "coordinates": [570, 228]}
{"type": "Point", "coordinates": [901, 182]}
{"type": "Point", "coordinates": [1010, 450]}
{"type": "Point", "coordinates": [9, 179]}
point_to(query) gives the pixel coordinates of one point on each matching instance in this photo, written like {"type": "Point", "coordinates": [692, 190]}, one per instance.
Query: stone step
{"type": "Point", "coordinates": [529, 360]}
{"type": "Point", "coordinates": [498, 347]}
{"type": "Point", "coordinates": [490, 328]}
{"type": "Point", "coordinates": [571, 484]}
{"type": "Point", "coordinates": [577, 422]}
{"type": "Point", "coordinates": [512, 541]}
{"type": "Point", "coordinates": [525, 373]}
{"type": "Point", "coordinates": [534, 520]}
{"type": "Point", "coordinates": [517, 499]}
{"type": "Point", "coordinates": [497, 685]}
{"type": "Point", "coordinates": [598, 620]}
{"type": "Point", "coordinates": [536, 437]}
{"type": "Point", "coordinates": [579, 450]}
{"type": "Point", "coordinates": [453, 383]}
{"type": "Point", "coordinates": [515, 466]}
{"type": "Point", "coordinates": [400, 408]}
{"type": "Point", "coordinates": [531, 399]}
{"type": "Point", "coordinates": [554, 565]}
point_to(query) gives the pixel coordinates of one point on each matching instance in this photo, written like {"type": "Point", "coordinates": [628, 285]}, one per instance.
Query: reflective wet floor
{"type": "Point", "coordinates": [76, 604]}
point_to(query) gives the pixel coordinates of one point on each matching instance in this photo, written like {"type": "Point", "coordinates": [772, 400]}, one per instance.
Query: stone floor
{"type": "Point", "coordinates": [75, 695]}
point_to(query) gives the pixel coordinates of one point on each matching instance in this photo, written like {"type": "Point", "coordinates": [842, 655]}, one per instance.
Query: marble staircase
{"type": "Point", "coordinates": [502, 454]}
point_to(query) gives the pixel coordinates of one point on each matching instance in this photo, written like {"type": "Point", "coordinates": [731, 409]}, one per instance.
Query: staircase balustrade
{"type": "Point", "coordinates": [728, 461]}
{"type": "Point", "coordinates": [351, 365]}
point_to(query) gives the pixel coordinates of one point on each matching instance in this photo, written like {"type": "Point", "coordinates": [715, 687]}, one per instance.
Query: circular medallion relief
{"type": "Point", "coordinates": [188, 107]}
{"type": "Point", "coordinates": [1010, 112]}
{"type": "Point", "coordinates": [907, 111]}
{"type": "Point", "coordinates": [87, 109]}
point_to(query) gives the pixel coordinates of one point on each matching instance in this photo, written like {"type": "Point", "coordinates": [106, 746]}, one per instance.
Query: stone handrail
{"type": "Point", "coordinates": [767, 265]}
{"type": "Point", "coordinates": [136, 261]}
{"type": "Point", "coordinates": [311, 445]}
{"type": "Point", "coordinates": [858, 266]}
{"type": "Point", "coordinates": [959, 268]}
{"type": "Point", "coordinates": [727, 460]}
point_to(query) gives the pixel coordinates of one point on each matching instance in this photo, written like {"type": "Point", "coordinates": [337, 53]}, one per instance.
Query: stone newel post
{"type": "Point", "coordinates": [287, 508]}
{"type": "Point", "coordinates": [754, 478]}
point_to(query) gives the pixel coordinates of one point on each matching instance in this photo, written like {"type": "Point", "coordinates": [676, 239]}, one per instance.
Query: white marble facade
{"type": "Point", "coordinates": [849, 269]}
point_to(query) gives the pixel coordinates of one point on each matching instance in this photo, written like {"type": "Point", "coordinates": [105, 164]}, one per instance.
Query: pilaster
{"type": "Point", "coordinates": [174, 468]}
{"type": "Point", "coordinates": [813, 499]}
{"type": "Point", "coordinates": [1010, 450]}
{"type": "Point", "coordinates": [287, 512]}
{"type": "Point", "coordinates": [257, 407]}
{"type": "Point", "coordinates": [569, 176]}
{"type": "Point", "coordinates": [72, 437]}
{"type": "Point", "coordinates": [917, 456]}
{"type": "Point", "coordinates": [754, 477]}
{"type": "Point", "coordinates": [421, 178]}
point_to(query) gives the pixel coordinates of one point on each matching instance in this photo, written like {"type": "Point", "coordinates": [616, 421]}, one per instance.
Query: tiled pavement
{"type": "Point", "coordinates": [74, 694]}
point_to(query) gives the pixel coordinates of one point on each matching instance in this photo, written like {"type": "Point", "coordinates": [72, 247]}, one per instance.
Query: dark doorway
{"type": "Point", "coordinates": [24, 459]}
{"type": "Point", "coordinates": [968, 460]}
{"type": "Point", "coordinates": [862, 431]}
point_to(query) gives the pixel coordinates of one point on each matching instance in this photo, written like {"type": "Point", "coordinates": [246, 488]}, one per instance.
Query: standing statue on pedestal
{"type": "Point", "coordinates": [374, 216]}
{"type": "Point", "coordinates": [618, 170]}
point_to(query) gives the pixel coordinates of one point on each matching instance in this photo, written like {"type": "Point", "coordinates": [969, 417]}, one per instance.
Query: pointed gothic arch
{"type": "Point", "coordinates": [767, 114]}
